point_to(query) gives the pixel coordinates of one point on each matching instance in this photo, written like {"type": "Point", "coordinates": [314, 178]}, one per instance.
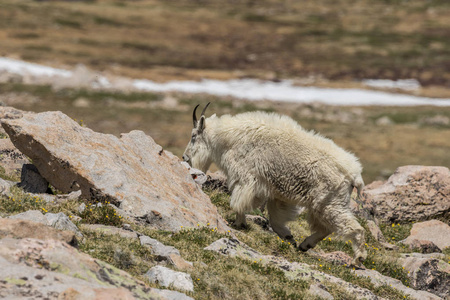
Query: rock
{"type": "Point", "coordinates": [429, 274]}
{"type": "Point", "coordinates": [198, 176]}
{"type": "Point", "coordinates": [169, 278]}
{"type": "Point", "coordinates": [438, 120]}
{"type": "Point", "coordinates": [178, 262]}
{"type": "Point", "coordinates": [319, 290]}
{"type": "Point", "coordinates": [18, 229]}
{"type": "Point", "coordinates": [423, 255]}
{"type": "Point", "coordinates": [5, 186]}
{"type": "Point", "coordinates": [158, 248]}
{"type": "Point", "coordinates": [434, 231]}
{"type": "Point", "coordinates": [216, 181]}
{"type": "Point", "coordinates": [292, 270]}
{"type": "Point", "coordinates": [62, 222]}
{"type": "Point", "coordinates": [132, 172]}
{"type": "Point", "coordinates": [51, 269]}
{"type": "Point", "coordinates": [110, 230]}
{"type": "Point", "coordinates": [423, 246]}
{"type": "Point", "coordinates": [379, 280]}
{"type": "Point", "coordinates": [31, 215]}
{"type": "Point", "coordinates": [375, 231]}
{"type": "Point", "coordinates": [11, 159]}
{"type": "Point", "coordinates": [411, 193]}
{"type": "Point", "coordinates": [31, 181]}
{"type": "Point", "coordinates": [81, 208]}
{"type": "Point", "coordinates": [384, 121]}
{"type": "Point", "coordinates": [171, 295]}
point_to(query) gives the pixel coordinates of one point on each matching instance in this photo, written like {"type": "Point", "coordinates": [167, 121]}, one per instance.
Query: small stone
{"type": "Point", "coordinates": [62, 222]}
{"type": "Point", "coordinates": [157, 248]}
{"type": "Point", "coordinates": [169, 278]}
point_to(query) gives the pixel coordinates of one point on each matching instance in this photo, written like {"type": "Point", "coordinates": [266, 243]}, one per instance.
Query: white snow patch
{"type": "Point", "coordinates": [243, 88]}
{"type": "Point", "coordinates": [402, 84]}
{"type": "Point", "coordinates": [25, 68]}
{"type": "Point", "coordinates": [285, 91]}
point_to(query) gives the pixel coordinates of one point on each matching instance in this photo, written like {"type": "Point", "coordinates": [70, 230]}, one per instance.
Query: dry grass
{"type": "Point", "coordinates": [161, 40]}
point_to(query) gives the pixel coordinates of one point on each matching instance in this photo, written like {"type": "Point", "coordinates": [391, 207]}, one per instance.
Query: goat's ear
{"type": "Point", "coordinates": [201, 124]}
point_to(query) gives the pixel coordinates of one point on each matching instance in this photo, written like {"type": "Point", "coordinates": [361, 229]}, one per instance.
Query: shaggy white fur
{"type": "Point", "coordinates": [271, 158]}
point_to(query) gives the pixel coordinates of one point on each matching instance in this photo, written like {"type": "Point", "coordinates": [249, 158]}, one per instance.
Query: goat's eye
{"type": "Point", "coordinates": [194, 136]}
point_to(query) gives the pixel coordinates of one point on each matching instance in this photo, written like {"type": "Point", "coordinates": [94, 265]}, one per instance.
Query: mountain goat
{"type": "Point", "coordinates": [271, 158]}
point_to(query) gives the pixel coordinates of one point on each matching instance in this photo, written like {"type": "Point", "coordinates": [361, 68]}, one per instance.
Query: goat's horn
{"type": "Point", "coordinates": [203, 112]}
{"type": "Point", "coordinates": [194, 117]}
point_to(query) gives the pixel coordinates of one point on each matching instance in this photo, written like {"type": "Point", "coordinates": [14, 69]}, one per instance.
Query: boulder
{"type": "Point", "coordinates": [412, 193]}
{"type": "Point", "coordinates": [433, 231]}
{"type": "Point", "coordinates": [34, 269]}
{"type": "Point", "coordinates": [198, 176]}
{"type": "Point", "coordinates": [18, 229]}
{"type": "Point", "coordinates": [169, 278]}
{"type": "Point", "coordinates": [132, 172]}
{"type": "Point", "coordinates": [428, 274]}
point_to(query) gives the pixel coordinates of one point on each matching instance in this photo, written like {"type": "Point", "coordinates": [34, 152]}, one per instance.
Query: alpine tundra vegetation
{"type": "Point", "coordinates": [269, 158]}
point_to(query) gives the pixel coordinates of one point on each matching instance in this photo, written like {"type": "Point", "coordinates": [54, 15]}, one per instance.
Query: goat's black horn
{"type": "Point", "coordinates": [194, 117]}
{"type": "Point", "coordinates": [203, 112]}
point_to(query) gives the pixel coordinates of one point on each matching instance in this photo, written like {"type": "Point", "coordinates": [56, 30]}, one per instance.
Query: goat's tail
{"type": "Point", "coordinates": [358, 183]}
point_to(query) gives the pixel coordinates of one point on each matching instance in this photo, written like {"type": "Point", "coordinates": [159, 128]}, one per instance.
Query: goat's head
{"type": "Point", "coordinates": [197, 153]}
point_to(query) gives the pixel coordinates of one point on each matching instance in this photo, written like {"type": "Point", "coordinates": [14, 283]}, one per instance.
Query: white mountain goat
{"type": "Point", "coordinates": [270, 158]}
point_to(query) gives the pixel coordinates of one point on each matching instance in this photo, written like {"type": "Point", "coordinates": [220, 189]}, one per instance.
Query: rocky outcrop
{"type": "Point", "coordinates": [132, 172]}
{"type": "Point", "coordinates": [412, 193]}
{"type": "Point", "coordinates": [434, 231]}
{"type": "Point", "coordinates": [293, 271]}
{"type": "Point", "coordinates": [428, 273]}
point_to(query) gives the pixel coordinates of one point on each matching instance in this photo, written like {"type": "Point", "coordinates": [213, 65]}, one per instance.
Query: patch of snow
{"type": "Point", "coordinates": [25, 68]}
{"type": "Point", "coordinates": [402, 84]}
{"type": "Point", "coordinates": [250, 89]}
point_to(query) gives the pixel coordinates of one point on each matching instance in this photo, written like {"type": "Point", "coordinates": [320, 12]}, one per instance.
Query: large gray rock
{"type": "Point", "coordinates": [433, 231]}
{"type": "Point", "coordinates": [132, 172]}
{"type": "Point", "coordinates": [36, 269]}
{"type": "Point", "coordinates": [429, 274]}
{"type": "Point", "coordinates": [169, 278]}
{"type": "Point", "coordinates": [411, 193]}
